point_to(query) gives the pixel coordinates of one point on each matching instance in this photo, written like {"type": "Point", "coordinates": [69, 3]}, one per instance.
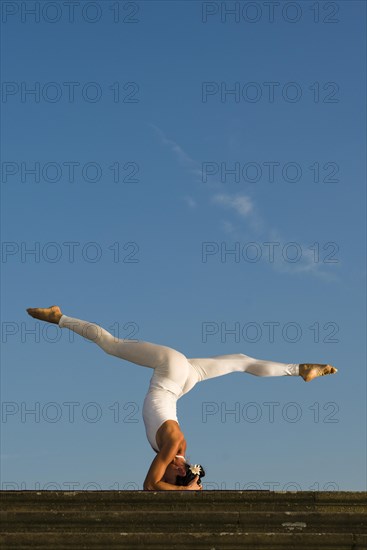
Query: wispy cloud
{"type": "Point", "coordinates": [247, 211]}
{"type": "Point", "coordinates": [191, 203]}
{"type": "Point", "coordinates": [244, 207]}
{"type": "Point", "coordinates": [180, 154]}
{"type": "Point", "coordinates": [240, 203]}
{"type": "Point", "coordinates": [190, 164]}
{"type": "Point", "coordinates": [228, 227]}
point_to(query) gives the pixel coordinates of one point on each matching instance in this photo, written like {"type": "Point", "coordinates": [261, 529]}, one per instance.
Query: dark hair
{"type": "Point", "coordinates": [185, 480]}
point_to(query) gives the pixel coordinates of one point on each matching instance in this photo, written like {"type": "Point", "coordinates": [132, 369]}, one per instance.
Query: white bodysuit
{"type": "Point", "coordinates": [174, 374]}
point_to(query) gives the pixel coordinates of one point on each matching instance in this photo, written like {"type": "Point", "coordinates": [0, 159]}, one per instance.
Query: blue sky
{"type": "Point", "coordinates": [149, 255]}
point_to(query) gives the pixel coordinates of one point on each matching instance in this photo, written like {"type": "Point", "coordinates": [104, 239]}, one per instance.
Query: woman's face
{"type": "Point", "coordinates": [174, 469]}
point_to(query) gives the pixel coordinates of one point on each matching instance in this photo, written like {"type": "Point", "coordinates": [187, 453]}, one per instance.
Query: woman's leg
{"type": "Point", "coordinates": [139, 352]}
{"type": "Point", "coordinates": [136, 351]}
{"type": "Point", "coordinates": [219, 365]}
{"type": "Point", "coordinates": [171, 368]}
{"type": "Point", "coordinates": [173, 364]}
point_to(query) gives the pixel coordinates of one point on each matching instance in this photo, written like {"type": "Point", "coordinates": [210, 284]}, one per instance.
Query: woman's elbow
{"type": "Point", "coordinates": [149, 485]}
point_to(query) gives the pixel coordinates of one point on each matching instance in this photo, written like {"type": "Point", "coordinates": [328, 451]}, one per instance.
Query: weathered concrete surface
{"type": "Point", "coordinates": [210, 519]}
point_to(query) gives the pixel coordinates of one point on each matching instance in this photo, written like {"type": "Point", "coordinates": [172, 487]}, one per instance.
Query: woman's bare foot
{"type": "Point", "coordinates": [50, 314]}
{"type": "Point", "coordinates": [311, 371]}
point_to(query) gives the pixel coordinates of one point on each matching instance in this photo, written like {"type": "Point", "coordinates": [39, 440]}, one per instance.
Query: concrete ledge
{"type": "Point", "coordinates": [186, 500]}
{"type": "Point", "coordinates": [213, 520]}
{"type": "Point", "coordinates": [183, 541]}
{"type": "Point", "coordinates": [177, 521]}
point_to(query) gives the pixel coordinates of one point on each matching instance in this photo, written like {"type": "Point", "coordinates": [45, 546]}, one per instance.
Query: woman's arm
{"type": "Point", "coordinates": [153, 480]}
{"type": "Point", "coordinates": [163, 486]}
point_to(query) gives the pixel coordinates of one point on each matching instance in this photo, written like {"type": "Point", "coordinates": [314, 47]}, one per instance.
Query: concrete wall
{"type": "Point", "coordinates": [209, 519]}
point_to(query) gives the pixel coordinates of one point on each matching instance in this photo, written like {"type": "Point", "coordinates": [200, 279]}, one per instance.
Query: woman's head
{"type": "Point", "coordinates": [180, 472]}
{"type": "Point", "coordinates": [174, 469]}
{"type": "Point", "coordinates": [190, 472]}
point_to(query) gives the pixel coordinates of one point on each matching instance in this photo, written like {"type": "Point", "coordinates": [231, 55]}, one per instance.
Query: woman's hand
{"type": "Point", "coordinates": [193, 485]}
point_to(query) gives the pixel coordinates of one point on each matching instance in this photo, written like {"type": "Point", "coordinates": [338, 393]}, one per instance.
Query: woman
{"type": "Point", "coordinates": [173, 376]}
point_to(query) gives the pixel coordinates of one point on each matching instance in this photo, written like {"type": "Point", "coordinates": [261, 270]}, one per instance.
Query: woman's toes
{"type": "Point", "coordinates": [330, 369]}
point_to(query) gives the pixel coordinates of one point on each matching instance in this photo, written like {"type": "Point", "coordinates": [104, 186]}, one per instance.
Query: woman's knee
{"type": "Point", "coordinates": [107, 343]}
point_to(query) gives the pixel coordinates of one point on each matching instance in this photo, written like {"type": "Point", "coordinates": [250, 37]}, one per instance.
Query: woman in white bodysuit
{"type": "Point", "coordinates": [173, 376]}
